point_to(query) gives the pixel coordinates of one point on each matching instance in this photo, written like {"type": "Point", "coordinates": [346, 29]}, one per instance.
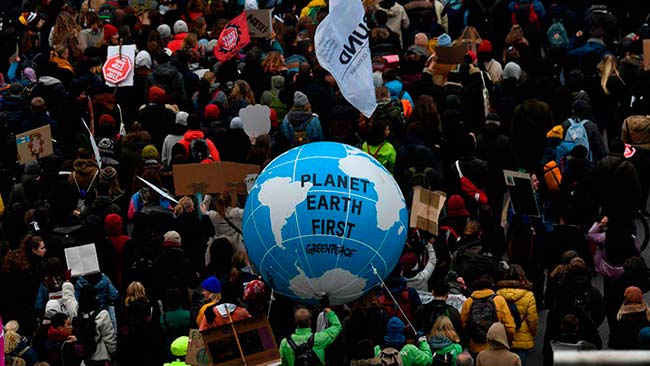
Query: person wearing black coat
{"type": "Point", "coordinates": [496, 149]}
{"type": "Point", "coordinates": [367, 319]}
{"type": "Point", "coordinates": [172, 268]}
{"type": "Point", "coordinates": [636, 274]}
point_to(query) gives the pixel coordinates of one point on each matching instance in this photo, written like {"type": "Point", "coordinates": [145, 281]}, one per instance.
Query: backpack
{"type": "Point", "coordinates": [552, 176]}
{"type": "Point", "coordinates": [390, 356]}
{"type": "Point", "coordinates": [414, 177]}
{"type": "Point", "coordinates": [300, 136]}
{"type": "Point", "coordinates": [27, 63]}
{"type": "Point", "coordinates": [199, 151]}
{"type": "Point", "coordinates": [436, 310]}
{"type": "Point", "coordinates": [575, 135]}
{"type": "Point", "coordinates": [87, 329]}
{"type": "Point", "coordinates": [557, 36]}
{"type": "Point", "coordinates": [525, 15]}
{"type": "Point", "coordinates": [443, 359]}
{"type": "Point", "coordinates": [482, 314]}
{"type": "Point", "coordinates": [277, 105]}
{"type": "Point", "coordinates": [582, 300]}
{"type": "Point", "coordinates": [392, 113]}
{"type": "Point", "coordinates": [515, 313]}
{"type": "Point", "coordinates": [391, 308]}
{"type": "Point", "coordinates": [304, 354]}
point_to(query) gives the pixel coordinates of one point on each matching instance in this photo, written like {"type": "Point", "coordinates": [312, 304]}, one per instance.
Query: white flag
{"type": "Point", "coordinates": [342, 49]}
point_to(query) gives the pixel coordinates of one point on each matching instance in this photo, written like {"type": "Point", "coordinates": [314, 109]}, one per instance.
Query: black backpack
{"type": "Point", "coordinates": [199, 150]}
{"type": "Point", "coordinates": [87, 329]}
{"type": "Point", "coordinates": [482, 314]}
{"type": "Point", "coordinates": [304, 354]}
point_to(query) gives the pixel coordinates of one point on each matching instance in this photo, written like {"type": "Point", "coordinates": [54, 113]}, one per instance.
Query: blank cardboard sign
{"type": "Point", "coordinates": [256, 120]}
{"type": "Point", "coordinates": [212, 178]}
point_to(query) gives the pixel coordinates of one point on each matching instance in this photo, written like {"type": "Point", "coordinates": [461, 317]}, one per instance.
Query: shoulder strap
{"type": "Point", "coordinates": [233, 226]}
{"type": "Point", "coordinates": [292, 344]}
{"type": "Point", "coordinates": [378, 149]}
{"type": "Point", "coordinates": [310, 341]}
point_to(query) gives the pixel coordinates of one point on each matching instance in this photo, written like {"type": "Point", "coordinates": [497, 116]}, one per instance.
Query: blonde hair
{"type": "Point", "coordinates": [242, 90]}
{"type": "Point", "coordinates": [185, 205]}
{"type": "Point", "coordinates": [607, 67]}
{"type": "Point", "coordinates": [443, 327]}
{"type": "Point", "coordinates": [12, 340]}
{"type": "Point", "coordinates": [273, 62]}
{"type": "Point", "coordinates": [135, 292]}
{"type": "Point", "coordinates": [470, 34]}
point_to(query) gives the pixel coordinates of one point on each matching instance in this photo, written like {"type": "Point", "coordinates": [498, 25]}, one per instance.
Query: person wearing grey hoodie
{"type": "Point", "coordinates": [498, 351]}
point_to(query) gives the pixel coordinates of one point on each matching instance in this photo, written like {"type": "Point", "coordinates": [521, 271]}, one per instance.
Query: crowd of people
{"type": "Point", "coordinates": [553, 88]}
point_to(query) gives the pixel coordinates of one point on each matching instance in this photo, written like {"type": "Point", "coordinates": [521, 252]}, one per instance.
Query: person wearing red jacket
{"type": "Point", "coordinates": [180, 32]}
{"type": "Point", "coordinates": [193, 133]}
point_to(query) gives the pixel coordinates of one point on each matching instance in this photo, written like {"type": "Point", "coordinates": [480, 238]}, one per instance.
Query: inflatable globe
{"type": "Point", "coordinates": [325, 219]}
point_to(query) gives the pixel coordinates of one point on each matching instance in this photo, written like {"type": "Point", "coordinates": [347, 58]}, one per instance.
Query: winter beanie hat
{"type": "Point", "coordinates": [212, 285]}
{"type": "Point", "coordinates": [394, 332]}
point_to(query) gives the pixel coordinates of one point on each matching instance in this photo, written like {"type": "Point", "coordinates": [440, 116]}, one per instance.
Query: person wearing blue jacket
{"type": "Point", "coordinates": [300, 125]}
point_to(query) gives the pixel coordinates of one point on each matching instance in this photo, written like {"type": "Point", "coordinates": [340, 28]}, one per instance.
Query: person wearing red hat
{"type": "Point", "coordinates": [155, 117]}
{"type": "Point", "coordinates": [491, 66]}
{"type": "Point", "coordinates": [632, 316]}
{"type": "Point", "coordinates": [110, 34]}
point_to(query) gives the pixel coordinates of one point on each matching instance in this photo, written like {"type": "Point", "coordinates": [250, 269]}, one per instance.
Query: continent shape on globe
{"type": "Point", "coordinates": [320, 218]}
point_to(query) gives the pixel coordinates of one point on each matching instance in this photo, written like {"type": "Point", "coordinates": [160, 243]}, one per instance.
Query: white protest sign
{"type": "Point", "coordinates": [256, 120]}
{"type": "Point", "coordinates": [128, 51]}
{"type": "Point", "coordinates": [342, 48]}
{"type": "Point", "coordinates": [158, 190]}
{"type": "Point", "coordinates": [82, 260]}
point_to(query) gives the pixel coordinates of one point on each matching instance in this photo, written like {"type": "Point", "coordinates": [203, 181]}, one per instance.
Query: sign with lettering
{"type": "Point", "coordinates": [212, 178]}
{"type": "Point", "coordinates": [321, 215]}
{"type": "Point", "coordinates": [259, 23]}
{"type": "Point", "coordinates": [118, 68]}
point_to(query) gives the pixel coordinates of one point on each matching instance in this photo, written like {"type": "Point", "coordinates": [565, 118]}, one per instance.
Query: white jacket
{"type": "Point", "coordinates": [420, 280]}
{"type": "Point", "coordinates": [67, 304]}
{"type": "Point", "coordinates": [105, 335]}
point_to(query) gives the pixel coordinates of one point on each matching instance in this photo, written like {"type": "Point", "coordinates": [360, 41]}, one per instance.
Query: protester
{"type": "Point", "coordinates": [317, 342]}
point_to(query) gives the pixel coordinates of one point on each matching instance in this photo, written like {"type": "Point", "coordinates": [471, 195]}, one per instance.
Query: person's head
{"type": "Point", "coordinates": [472, 230]}
{"type": "Point", "coordinates": [382, 93]}
{"type": "Point", "coordinates": [302, 317]}
{"type": "Point", "coordinates": [581, 109]}
{"type": "Point", "coordinates": [441, 289]}
{"type": "Point", "coordinates": [38, 105]}
{"type": "Point", "coordinates": [569, 325]}
{"type": "Point", "coordinates": [301, 101]}
{"type": "Point", "coordinates": [135, 292]}
{"type": "Point", "coordinates": [190, 42]}
{"type": "Point", "coordinates": [242, 90]}
{"type": "Point", "coordinates": [172, 299]}
{"type": "Point", "coordinates": [92, 22]}
{"type": "Point", "coordinates": [484, 282]}
{"type": "Point", "coordinates": [464, 359]}
{"type": "Point", "coordinates": [633, 295]}
{"type": "Point", "coordinates": [33, 245]}
{"type": "Point", "coordinates": [516, 273]}
{"type": "Point", "coordinates": [496, 336]}
{"type": "Point", "coordinates": [273, 61]}
{"type": "Point", "coordinates": [378, 133]}
{"type": "Point", "coordinates": [179, 346]}
{"type": "Point", "coordinates": [185, 205]}
{"type": "Point", "coordinates": [394, 333]}
{"type": "Point", "coordinates": [443, 327]}
{"type": "Point", "coordinates": [61, 322]}
{"type": "Point", "coordinates": [363, 350]}
{"type": "Point", "coordinates": [211, 289]}
{"type": "Point", "coordinates": [381, 18]}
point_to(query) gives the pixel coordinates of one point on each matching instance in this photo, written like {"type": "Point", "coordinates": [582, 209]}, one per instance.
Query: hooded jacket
{"type": "Point", "coordinates": [413, 355]}
{"type": "Point", "coordinates": [105, 335]}
{"type": "Point", "coordinates": [221, 312]}
{"type": "Point", "coordinates": [196, 134]}
{"type": "Point", "coordinates": [85, 174]}
{"type": "Point", "coordinates": [443, 346]}
{"type": "Point", "coordinates": [298, 118]}
{"type": "Point", "coordinates": [498, 349]}
{"type": "Point", "coordinates": [503, 316]}
{"type": "Point", "coordinates": [106, 292]}
{"type": "Point", "coordinates": [521, 295]}
{"type": "Point", "coordinates": [177, 42]}
{"type": "Point", "coordinates": [322, 340]}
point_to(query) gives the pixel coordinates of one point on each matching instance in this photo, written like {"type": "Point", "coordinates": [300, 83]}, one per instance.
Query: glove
{"type": "Point", "coordinates": [421, 337]}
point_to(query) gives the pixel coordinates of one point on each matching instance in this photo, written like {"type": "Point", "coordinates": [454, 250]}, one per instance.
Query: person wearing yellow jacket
{"type": "Point", "coordinates": [484, 292]}
{"type": "Point", "coordinates": [516, 289]}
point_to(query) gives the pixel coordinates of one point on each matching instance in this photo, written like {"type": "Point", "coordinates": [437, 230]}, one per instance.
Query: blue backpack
{"type": "Point", "coordinates": [557, 36]}
{"type": "Point", "coordinates": [575, 135]}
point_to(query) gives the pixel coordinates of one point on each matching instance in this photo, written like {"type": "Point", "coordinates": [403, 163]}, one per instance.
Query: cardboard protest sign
{"type": "Point", "coordinates": [255, 338]}
{"type": "Point", "coordinates": [522, 194]}
{"type": "Point", "coordinates": [34, 144]}
{"type": "Point", "coordinates": [82, 260]}
{"type": "Point", "coordinates": [426, 208]}
{"type": "Point", "coordinates": [212, 178]}
{"type": "Point", "coordinates": [256, 120]}
{"type": "Point", "coordinates": [118, 71]}
{"type": "Point", "coordinates": [451, 55]}
{"type": "Point", "coordinates": [196, 353]}
{"type": "Point", "coordinates": [259, 22]}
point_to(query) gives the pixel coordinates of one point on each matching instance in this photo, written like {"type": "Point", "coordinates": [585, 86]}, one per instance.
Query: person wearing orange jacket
{"type": "Point", "coordinates": [482, 296]}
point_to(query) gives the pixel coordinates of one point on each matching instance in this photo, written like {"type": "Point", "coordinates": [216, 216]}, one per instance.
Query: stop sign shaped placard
{"type": "Point", "coordinates": [117, 68]}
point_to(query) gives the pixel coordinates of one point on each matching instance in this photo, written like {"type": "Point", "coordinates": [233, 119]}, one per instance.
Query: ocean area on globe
{"type": "Point", "coordinates": [321, 219]}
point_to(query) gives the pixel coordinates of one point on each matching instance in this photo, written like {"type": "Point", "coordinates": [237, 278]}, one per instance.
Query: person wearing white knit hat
{"type": "Point", "coordinates": [178, 129]}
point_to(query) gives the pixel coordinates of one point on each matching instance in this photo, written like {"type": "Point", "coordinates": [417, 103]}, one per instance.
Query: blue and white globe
{"type": "Point", "coordinates": [321, 218]}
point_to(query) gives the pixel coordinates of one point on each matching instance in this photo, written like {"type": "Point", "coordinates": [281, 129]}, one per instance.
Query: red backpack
{"type": "Point", "coordinates": [391, 309]}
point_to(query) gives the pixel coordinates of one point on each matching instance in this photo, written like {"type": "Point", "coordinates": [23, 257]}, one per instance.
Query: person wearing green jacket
{"type": "Point", "coordinates": [412, 355]}
{"type": "Point", "coordinates": [303, 332]}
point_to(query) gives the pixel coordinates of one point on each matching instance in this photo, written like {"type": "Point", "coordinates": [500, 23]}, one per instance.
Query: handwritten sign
{"type": "Point", "coordinates": [259, 23]}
